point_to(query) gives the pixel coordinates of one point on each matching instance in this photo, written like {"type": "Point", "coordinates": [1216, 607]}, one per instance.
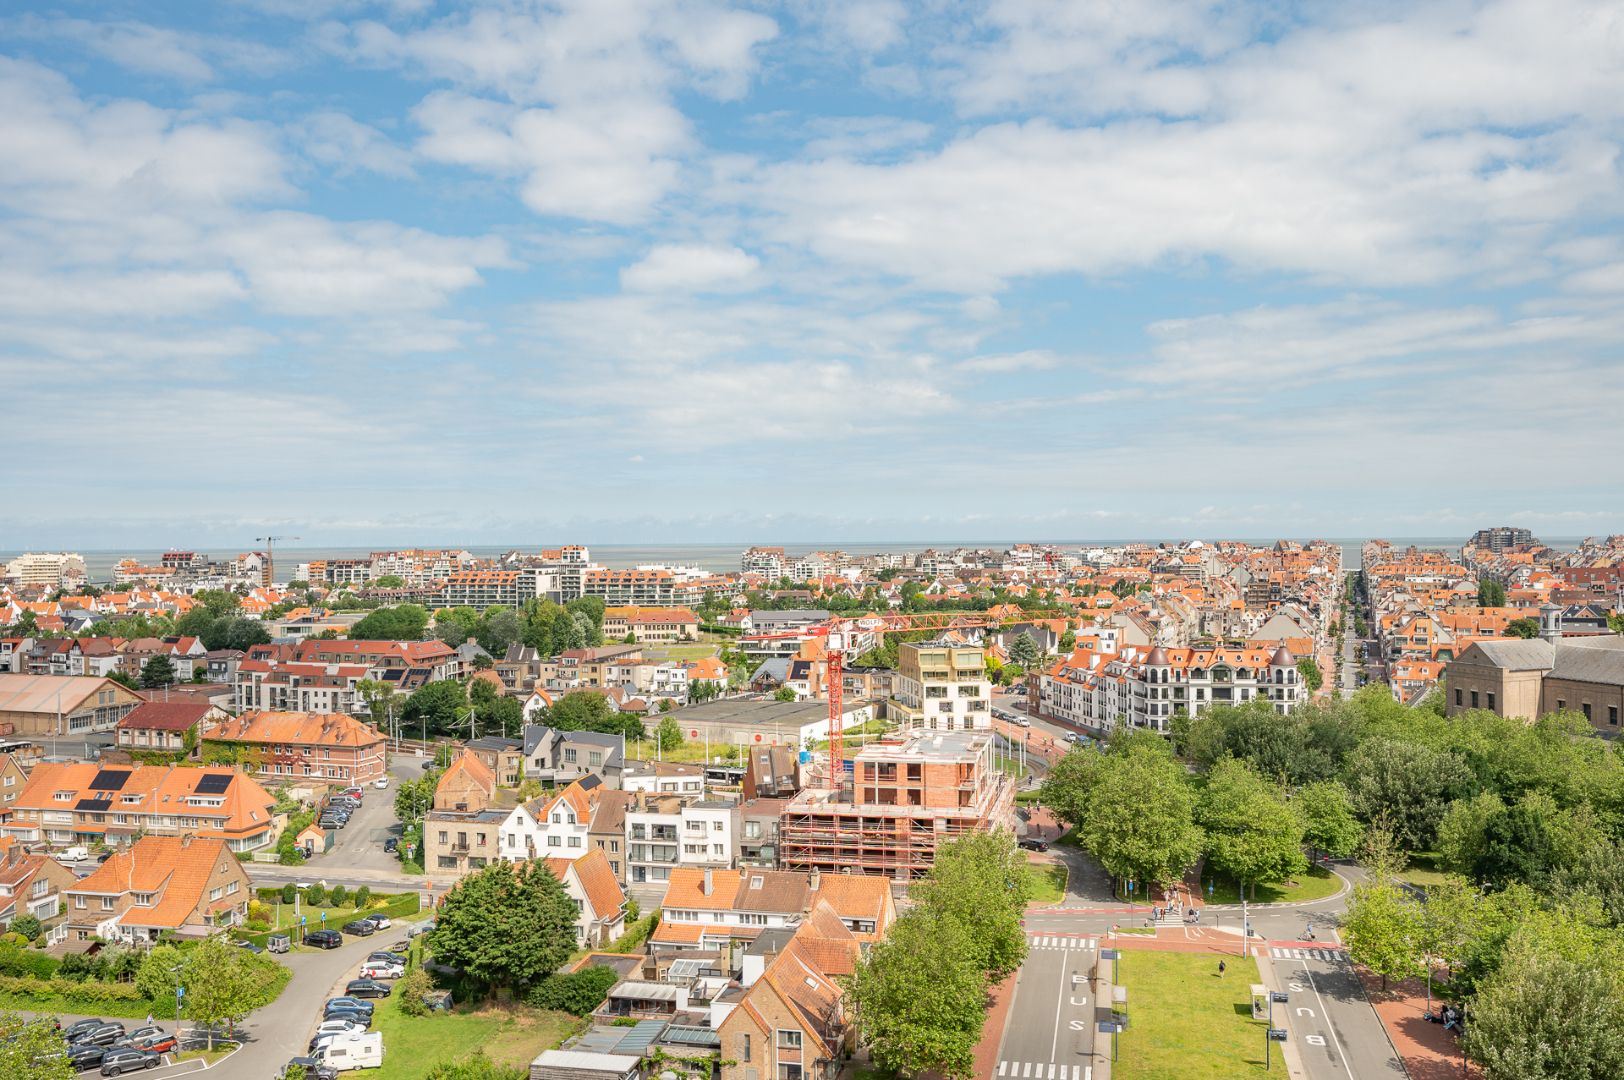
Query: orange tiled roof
{"type": "Point", "coordinates": [301, 728]}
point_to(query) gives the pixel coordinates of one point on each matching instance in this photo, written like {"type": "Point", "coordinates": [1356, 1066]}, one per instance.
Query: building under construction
{"type": "Point", "coordinates": [907, 794]}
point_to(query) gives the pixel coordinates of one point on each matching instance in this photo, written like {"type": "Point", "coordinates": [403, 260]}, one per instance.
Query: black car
{"type": "Point", "coordinates": [324, 939]}
{"type": "Point", "coordinates": [79, 1027]}
{"type": "Point", "coordinates": [392, 844]}
{"type": "Point", "coordinates": [249, 945]}
{"type": "Point", "coordinates": [84, 1056]}
{"type": "Point", "coordinates": [384, 956]}
{"type": "Point", "coordinates": [356, 1016]}
{"type": "Point", "coordinates": [123, 1059]}
{"type": "Point", "coordinates": [1032, 843]}
{"type": "Point", "coordinates": [360, 928]}
{"type": "Point", "coordinates": [312, 1070]}
{"type": "Point", "coordinates": [366, 988]}
{"type": "Point", "coordinates": [102, 1034]}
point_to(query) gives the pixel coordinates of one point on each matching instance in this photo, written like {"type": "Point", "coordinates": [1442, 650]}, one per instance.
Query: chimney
{"type": "Point", "coordinates": [814, 879]}
{"type": "Point", "coordinates": [709, 885]}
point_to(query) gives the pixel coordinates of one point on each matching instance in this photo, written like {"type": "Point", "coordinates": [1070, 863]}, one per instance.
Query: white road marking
{"type": "Point", "coordinates": [1329, 1024]}
{"type": "Point", "coordinates": [1027, 1071]}
{"type": "Point", "coordinates": [1059, 1000]}
{"type": "Point", "coordinates": [1002, 1065]}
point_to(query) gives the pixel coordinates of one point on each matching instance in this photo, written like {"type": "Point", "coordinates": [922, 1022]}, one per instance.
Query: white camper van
{"type": "Point", "coordinates": [358, 1051]}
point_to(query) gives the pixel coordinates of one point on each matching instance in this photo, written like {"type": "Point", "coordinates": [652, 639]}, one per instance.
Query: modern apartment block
{"type": "Point", "coordinates": [1143, 686]}
{"type": "Point", "coordinates": [647, 588]}
{"type": "Point", "coordinates": [910, 792]}
{"type": "Point", "coordinates": [942, 687]}
{"type": "Point", "coordinates": [667, 831]}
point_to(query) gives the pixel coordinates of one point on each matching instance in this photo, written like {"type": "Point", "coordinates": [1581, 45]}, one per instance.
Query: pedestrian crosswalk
{"type": "Point", "coordinates": [1044, 1070]}
{"type": "Point", "coordinates": [1060, 941]}
{"type": "Point", "coordinates": [1308, 954]}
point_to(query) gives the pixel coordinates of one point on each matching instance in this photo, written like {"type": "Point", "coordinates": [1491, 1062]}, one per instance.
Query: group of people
{"type": "Point", "coordinates": [1175, 907]}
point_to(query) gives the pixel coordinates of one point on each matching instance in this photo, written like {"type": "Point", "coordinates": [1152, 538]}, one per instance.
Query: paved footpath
{"type": "Point", "coordinates": [1429, 1052]}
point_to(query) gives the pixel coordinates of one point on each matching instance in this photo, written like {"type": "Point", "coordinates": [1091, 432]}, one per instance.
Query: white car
{"type": "Point", "coordinates": [381, 783]}
{"type": "Point", "coordinates": [377, 969]}
{"type": "Point", "coordinates": [74, 855]}
{"type": "Point", "coordinates": [382, 922]}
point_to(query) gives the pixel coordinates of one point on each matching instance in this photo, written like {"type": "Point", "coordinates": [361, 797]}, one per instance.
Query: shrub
{"type": "Point", "coordinates": [81, 966]}
{"type": "Point", "coordinates": [363, 897]}
{"type": "Point", "coordinates": [289, 893]}
{"type": "Point", "coordinates": [18, 961]}
{"type": "Point", "coordinates": [26, 925]}
{"type": "Point", "coordinates": [411, 989]}
{"type": "Point", "coordinates": [316, 895]}
{"type": "Point", "coordinates": [578, 992]}
{"type": "Point", "coordinates": [79, 993]}
{"type": "Point", "coordinates": [339, 896]}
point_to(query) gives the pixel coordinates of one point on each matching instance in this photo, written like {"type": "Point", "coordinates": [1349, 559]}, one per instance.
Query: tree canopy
{"type": "Point", "coordinates": [505, 925]}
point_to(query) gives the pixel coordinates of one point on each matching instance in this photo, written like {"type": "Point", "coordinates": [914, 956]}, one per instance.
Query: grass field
{"type": "Point", "coordinates": [509, 1036]}
{"type": "Point", "coordinates": [1316, 884]}
{"type": "Point", "coordinates": [1423, 870]}
{"type": "Point", "coordinates": [1185, 1021]}
{"type": "Point", "coordinates": [1048, 882]}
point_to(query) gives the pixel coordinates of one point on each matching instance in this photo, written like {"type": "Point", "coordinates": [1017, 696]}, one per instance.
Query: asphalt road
{"type": "Point", "coordinates": [1050, 1031]}
{"type": "Point", "coordinates": [1337, 1033]}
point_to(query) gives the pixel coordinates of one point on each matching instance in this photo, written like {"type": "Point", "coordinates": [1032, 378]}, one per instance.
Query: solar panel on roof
{"type": "Point", "coordinates": [94, 803]}
{"type": "Point", "coordinates": [110, 780]}
{"type": "Point", "coordinates": [213, 784]}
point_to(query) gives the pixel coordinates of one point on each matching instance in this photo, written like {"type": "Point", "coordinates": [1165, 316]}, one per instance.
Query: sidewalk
{"type": "Point", "coordinates": [1427, 1050]}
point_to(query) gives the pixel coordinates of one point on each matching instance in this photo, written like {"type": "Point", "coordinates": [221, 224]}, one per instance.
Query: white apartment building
{"type": "Point", "coordinates": [769, 562]}
{"type": "Point", "coordinates": [942, 686]}
{"type": "Point", "coordinates": [1143, 686]}
{"type": "Point", "coordinates": [664, 832]}
{"type": "Point", "coordinates": [51, 569]}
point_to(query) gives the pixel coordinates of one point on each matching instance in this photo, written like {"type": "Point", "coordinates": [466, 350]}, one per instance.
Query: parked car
{"type": "Point", "coordinates": [350, 1003]}
{"type": "Point", "coordinates": [1072, 736]}
{"type": "Point", "coordinates": [381, 969]}
{"type": "Point", "coordinates": [123, 1059]}
{"type": "Point", "coordinates": [79, 1027]}
{"type": "Point", "coordinates": [312, 1070]}
{"type": "Point", "coordinates": [347, 1012]}
{"type": "Point", "coordinates": [324, 939]}
{"type": "Point", "coordinates": [74, 855]}
{"type": "Point", "coordinates": [379, 920]}
{"type": "Point", "coordinates": [333, 821]}
{"type": "Point", "coordinates": [105, 1034]}
{"type": "Point", "coordinates": [150, 1038]}
{"type": "Point", "coordinates": [84, 1056]}
{"type": "Point", "coordinates": [249, 945]}
{"type": "Point", "coordinates": [386, 956]}
{"type": "Point", "coordinates": [421, 928]}
{"type": "Point", "coordinates": [366, 988]}
{"type": "Point", "coordinates": [392, 844]}
{"type": "Point", "coordinates": [381, 783]}
{"type": "Point", "coordinates": [360, 928]}
{"type": "Point", "coordinates": [340, 1026]}
{"type": "Point", "coordinates": [1032, 843]}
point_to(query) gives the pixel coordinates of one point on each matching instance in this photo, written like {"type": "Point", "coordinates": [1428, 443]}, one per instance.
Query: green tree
{"type": "Point", "coordinates": [407, 622]}
{"type": "Point", "coordinates": [1310, 672]}
{"type": "Point", "coordinates": [784, 693]}
{"type": "Point", "coordinates": [389, 581]}
{"type": "Point", "coordinates": [667, 704]}
{"type": "Point", "coordinates": [980, 881]}
{"type": "Point", "coordinates": [223, 984]}
{"type": "Point", "coordinates": [1490, 593]}
{"type": "Point", "coordinates": [668, 735]}
{"type": "Point", "coordinates": [27, 925]}
{"type": "Point", "coordinates": [290, 893]}
{"type": "Point", "coordinates": [506, 926]}
{"type": "Point", "coordinates": [1025, 651]}
{"type": "Point", "coordinates": [441, 707]}
{"type": "Point", "coordinates": [1066, 789]}
{"type": "Point", "coordinates": [316, 895]}
{"type": "Point", "coordinates": [578, 992]}
{"type": "Point", "coordinates": [1251, 834]}
{"type": "Point", "coordinates": [414, 798]}
{"type": "Point", "coordinates": [475, 1066]}
{"type": "Point", "coordinates": [32, 1049]}
{"type": "Point", "coordinates": [1523, 628]}
{"type": "Point", "coordinates": [380, 699]}
{"type": "Point", "coordinates": [1384, 929]}
{"type": "Point", "coordinates": [1138, 817]}
{"type": "Point", "coordinates": [584, 710]}
{"type": "Point", "coordinates": [919, 999]}
{"type": "Point", "coordinates": [1548, 1017]}
{"type": "Point", "coordinates": [339, 896]}
{"type": "Point", "coordinates": [362, 897]}
{"type": "Point", "coordinates": [411, 990]}
{"type": "Point", "coordinates": [1068, 641]}
{"type": "Point", "coordinates": [159, 671]}
{"type": "Point", "coordinates": [1329, 822]}
{"type": "Point", "coordinates": [1407, 783]}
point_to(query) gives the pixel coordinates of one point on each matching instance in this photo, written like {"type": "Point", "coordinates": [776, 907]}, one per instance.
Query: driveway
{"type": "Point", "coordinates": [359, 845]}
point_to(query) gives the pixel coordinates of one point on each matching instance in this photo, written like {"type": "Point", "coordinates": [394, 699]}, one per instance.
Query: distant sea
{"type": "Point", "coordinates": [723, 558]}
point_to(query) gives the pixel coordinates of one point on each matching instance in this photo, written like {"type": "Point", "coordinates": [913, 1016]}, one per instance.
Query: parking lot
{"type": "Point", "coordinates": [359, 845]}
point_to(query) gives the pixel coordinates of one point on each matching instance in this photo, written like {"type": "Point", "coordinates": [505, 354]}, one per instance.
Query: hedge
{"type": "Point", "coordinates": [81, 993]}
{"type": "Point", "coordinates": [27, 962]}
{"type": "Point", "coordinates": [577, 993]}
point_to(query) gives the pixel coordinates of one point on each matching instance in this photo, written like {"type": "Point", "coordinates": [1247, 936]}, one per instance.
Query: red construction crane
{"type": "Point", "coordinates": [837, 632]}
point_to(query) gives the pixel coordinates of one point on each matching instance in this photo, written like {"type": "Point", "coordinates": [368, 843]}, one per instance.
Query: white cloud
{"type": "Point", "coordinates": [151, 50]}
{"type": "Point", "coordinates": [691, 267]}
{"type": "Point", "coordinates": [348, 146]}
{"type": "Point", "coordinates": [1003, 364]}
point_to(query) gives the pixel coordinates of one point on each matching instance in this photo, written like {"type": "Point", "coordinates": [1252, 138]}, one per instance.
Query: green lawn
{"type": "Point", "coordinates": [1316, 884]}
{"type": "Point", "coordinates": [1048, 882]}
{"type": "Point", "coordinates": [1423, 870]}
{"type": "Point", "coordinates": [1185, 1021]}
{"type": "Point", "coordinates": [511, 1035]}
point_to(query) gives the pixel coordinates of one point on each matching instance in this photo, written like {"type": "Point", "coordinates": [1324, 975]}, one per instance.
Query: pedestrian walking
{"type": "Point", "coordinates": [1220, 969]}
{"type": "Point", "coordinates": [150, 1020]}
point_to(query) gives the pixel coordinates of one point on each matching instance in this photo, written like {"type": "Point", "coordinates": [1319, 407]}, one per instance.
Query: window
{"type": "Point", "coordinates": [553, 841]}
{"type": "Point", "coordinates": [1561, 703]}
{"type": "Point", "coordinates": [1474, 699]}
{"type": "Point", "coordinates": [107, 903]}
{"type": "Point", "coordinates": [231, 888]}
{"type": "Point", "coordinates": [1612, 715]}
{"type": "Point", "coordinates": [744, 1046]}
{"type": "Point", "coordinates": [1584, 707]}
{"type": "Point", "coordinates": [575, 841]}
{"type": "Point", "coordinates": [569, 755]}
{"type": "Point", "coordinates": [442, 836]}
{"type": "Point", "coordinates": [594, 757]}
{"type": "Point", "coordinates": [789, 1039]}
{"type": "Point", "coordinates": [1458, 695]}
{"type": "Point", "coordinates": [79, 902]}
{"type": "Point", "coordinates": [614, 845]}
{"type": "Point", "coordinates": [716, 826]}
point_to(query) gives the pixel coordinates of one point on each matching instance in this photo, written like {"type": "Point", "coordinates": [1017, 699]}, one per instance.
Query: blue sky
{"type": "Point", "coordinates": [684, 270]}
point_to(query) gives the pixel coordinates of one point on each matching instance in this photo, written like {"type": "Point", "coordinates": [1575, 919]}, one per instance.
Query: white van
{"type": "Point", "coordinates": [351, 1052]}
{"type": "Point", "coordinates": [74, 854]}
